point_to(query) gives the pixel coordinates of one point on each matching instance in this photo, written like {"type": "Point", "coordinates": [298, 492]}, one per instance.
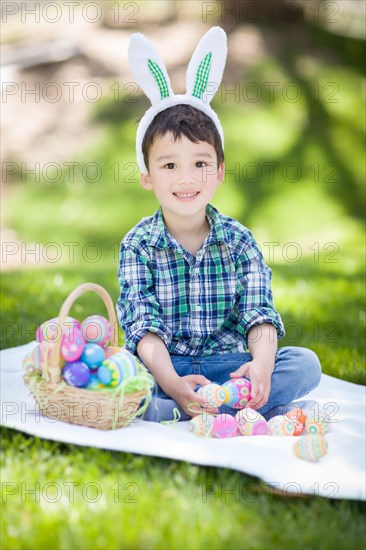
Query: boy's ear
{"type": "Point", "coordinates": [220, 171]}
{"type": "Point", "coordinates": [146, 181]}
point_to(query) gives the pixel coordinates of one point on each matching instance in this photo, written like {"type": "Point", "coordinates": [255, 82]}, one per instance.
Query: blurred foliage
{"type": "Point", "coordinates": [295, 174]}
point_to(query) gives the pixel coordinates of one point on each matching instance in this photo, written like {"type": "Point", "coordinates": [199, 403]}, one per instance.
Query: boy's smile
{"type": "Point", "coordinates": [184, 177]}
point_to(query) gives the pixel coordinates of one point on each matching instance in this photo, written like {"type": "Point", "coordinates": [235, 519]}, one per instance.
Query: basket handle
{"type": "Point", "coordinates": [54, 369]}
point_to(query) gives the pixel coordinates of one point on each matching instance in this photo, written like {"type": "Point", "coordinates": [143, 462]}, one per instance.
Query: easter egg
{"type": "Point", "coordinates": [28, 365]}
{"type": "Point", "coordinates": [318, 426]}
{"type": "Point", "coordinates": [116, 368]}
{"type": "Point", "coordinates": [94, 383]}
{"type": "Point", "coordinates": [201, 425]}
{"type": "Point", "coordinates": [224, 425]}
{"type": "Point", "coordinates": [111, 350]}
{"type": "Point", "coordinates": [298, 417]}
{"type": "Point", "coordinates": [251, 422]}
{"type": "Point", "coordinates": [311, 447]}
{"type": "Point", "coordinates": [76, 374]}
{"type": "Point", "coordinates": [280, 425]}
{"type": "Point", "coordinates": [51, 331]}
{"type": "Point", "coordinates": [73, 345]}
{"type": "Point", "coordinates": [35, 361]}
{"type": "Point", "coordinates": [40, 355]}
{"type": "Point", "coordinates": [96, 329]}
{"type": "Point", "coordinates": [93, 355]}
{"type": "Point", "coordinates": [237, 393]}
{"type": "Point", "coordinates": [213, 394]}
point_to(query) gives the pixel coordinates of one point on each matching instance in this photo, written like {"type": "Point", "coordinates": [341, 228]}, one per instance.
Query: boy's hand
{"type": "Point", "coordinates": [259, 375]}
{"type": "Point", "coordinates": [183, 393]}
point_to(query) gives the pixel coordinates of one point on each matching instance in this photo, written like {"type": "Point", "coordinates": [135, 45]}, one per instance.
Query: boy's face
{"type": "Point", "coordinates": [183, 175]}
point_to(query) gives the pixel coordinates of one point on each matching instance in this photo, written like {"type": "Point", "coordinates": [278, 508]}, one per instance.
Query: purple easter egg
{"type": "Point", "coordinates": [76, 374]}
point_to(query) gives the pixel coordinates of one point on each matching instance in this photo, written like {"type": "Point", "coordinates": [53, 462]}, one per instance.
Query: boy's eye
{"type": "Point", "coordinates": [200, 164]}
{"type": "Point", "coordinates": [169, 165]}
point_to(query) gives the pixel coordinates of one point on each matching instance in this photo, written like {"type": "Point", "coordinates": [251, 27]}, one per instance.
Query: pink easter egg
{"type": "Point", "coordinates": [237, 392]}
{"type": "Point", "coordinates": [213, 394]}
{"type": "Point", "coordinates": [224, 426]}
{"type": "Point", "coordinates": [51, 331]}
{"type": "Point", "coordinates": [251, 422]}
{"type": "Point", "coordinates": [73, 346]}
{"type": "Point", "coordinates": [96, 329]}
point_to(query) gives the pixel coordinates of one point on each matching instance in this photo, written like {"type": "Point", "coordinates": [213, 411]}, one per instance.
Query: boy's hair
{"type": "Point", "coordinates": [183, 119]}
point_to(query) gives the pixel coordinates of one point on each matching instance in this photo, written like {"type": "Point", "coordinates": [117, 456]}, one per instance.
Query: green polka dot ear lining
{"type": "Point", "coordinates": [204, 75]}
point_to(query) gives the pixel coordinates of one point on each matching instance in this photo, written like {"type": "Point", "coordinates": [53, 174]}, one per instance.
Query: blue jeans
{"type": "Point", "coordinates": [297, 371]}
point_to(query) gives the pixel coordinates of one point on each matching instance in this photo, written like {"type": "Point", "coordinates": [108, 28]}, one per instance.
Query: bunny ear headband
{"type": "Point", "coordinates": [204, 75]}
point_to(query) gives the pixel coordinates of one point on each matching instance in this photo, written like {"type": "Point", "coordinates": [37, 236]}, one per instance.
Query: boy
{"type": "Point", "coordinates": [195, 291]}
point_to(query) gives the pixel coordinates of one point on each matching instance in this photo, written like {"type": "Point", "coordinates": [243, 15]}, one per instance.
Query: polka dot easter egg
{"type": "Point", "coordinates": [51, 331]}
{"type": "Point", "coordinates": [97, 330]}
{"type": "Point", "coordinates": [280, 425]}
{"type": "Point", "coordinates": [117, 368]}
{"type": "Point", "coordinates": [311, 447]}
{"type": "Point", "coordinates": [251, 422]}
{"type": "Point", "coordinates": [213, 394]}
{"type": "Point", "coordinates": [93, 355]}
{"type": "Point", "coordinates": [76, 374]}
{"type": "Point", "coordinates": [202, 425]}
{"type": "Point", "coordinates": [237, 393]}
{"type": "Point", "coordinates": [224, 425]}
{"type": "Point", "coordinates": [73, 345]}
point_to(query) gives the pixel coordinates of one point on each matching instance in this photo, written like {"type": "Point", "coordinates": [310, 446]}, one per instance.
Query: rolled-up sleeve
{"type": "Point", "coordinates": [138, 310]}
{"type": "Point", "coordinates": [254, 292]}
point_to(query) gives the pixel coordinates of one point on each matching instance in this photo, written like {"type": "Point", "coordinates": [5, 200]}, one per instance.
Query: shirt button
{"type": "Point", "coordinates": [198, 308]}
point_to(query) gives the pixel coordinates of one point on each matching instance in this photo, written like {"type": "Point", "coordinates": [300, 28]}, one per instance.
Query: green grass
{"type": "Point", "coordinates": [88, 498]}
{"type": "Point", "coordinates": [320, 296]}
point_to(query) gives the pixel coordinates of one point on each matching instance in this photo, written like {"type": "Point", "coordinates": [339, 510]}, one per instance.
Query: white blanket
{"type": "Point", "coordinates": [339, 474]}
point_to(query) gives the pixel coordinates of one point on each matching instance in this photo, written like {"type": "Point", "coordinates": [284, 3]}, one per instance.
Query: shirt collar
{"type": "Point", "coordinates": [217, 232]}
{"type": "Point", "coordinates": [160, 237]}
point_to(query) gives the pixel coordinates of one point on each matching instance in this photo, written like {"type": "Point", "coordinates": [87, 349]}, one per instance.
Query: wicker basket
{"type": "Point", "coordinates": [105, 409]}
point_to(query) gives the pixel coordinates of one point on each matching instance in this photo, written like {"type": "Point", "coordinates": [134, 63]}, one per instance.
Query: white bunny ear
{"type": "Point", "coordinates": [205, 70]}
{"type": "Point", "coordinates": [148, 68]}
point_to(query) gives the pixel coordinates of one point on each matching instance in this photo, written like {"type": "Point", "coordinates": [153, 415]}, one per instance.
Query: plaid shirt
{"type": "Point", "coordinates": [197, 305]}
